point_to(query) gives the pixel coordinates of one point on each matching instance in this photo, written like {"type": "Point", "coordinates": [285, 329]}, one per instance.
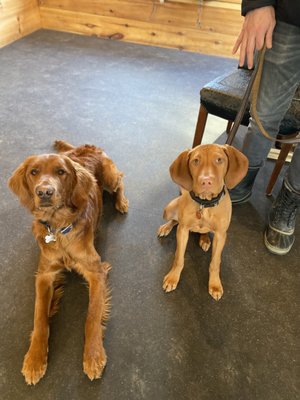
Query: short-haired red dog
{"type": "Point", "coordinates": [63, 192]}
{"type": "Point", "coordinates": [204, 174]}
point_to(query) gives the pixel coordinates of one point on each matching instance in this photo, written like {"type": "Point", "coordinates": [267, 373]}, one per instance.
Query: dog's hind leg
{"type": "Point", "coordinates": [61, 146]}
{"type": "Point", "coordinates": [113, 182]}
{"type": "Point", "coordinates": [170, 214]}
{"type": "Point", "coordinates": [121, 202]}
{"type": "Point", "coordinates": [166, 228]}
{"type": "Point", "coordinates": [58, 290]}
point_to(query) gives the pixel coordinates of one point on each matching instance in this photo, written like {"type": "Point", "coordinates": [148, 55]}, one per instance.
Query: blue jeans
{"type": "Point", "coordinates": [280, 79]}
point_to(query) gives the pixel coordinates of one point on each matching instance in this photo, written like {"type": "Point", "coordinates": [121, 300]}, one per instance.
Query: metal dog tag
{"type": "Point", "coordinates": [50, 238]}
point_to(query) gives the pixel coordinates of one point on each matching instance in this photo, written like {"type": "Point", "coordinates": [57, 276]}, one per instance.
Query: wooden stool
{"type": "Point", "coordinates": [222, 97]}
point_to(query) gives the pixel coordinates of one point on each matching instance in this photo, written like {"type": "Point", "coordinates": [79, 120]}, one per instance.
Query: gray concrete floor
{"type": "Point", "coordinates": [140, 104]}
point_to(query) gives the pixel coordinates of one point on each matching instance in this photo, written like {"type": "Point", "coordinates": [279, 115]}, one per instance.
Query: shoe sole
{"type": "Point", "coordinates": [275, 250]}
{"type": "Point", "coordinates": [242, 200]}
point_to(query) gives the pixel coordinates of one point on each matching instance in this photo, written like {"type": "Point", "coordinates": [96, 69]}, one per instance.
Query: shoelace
{"type": "Point", "coordinates": [285, 208]}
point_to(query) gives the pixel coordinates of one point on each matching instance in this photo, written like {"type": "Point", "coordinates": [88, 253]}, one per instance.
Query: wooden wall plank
{"type": "Point", "coordinates": [226, 3]}
{"type": "Point", "coordinates": [169, 14]}
{"type": "Point", "coordinates": [8, 7]}
{"type": "Point", "coordinates": [208, 26]}
{"type": "Point", "coordinates": [140, 10]}
{"type": "Point", "coordinates": [145, 10]}
{"type": "Point", "coordinates": [210, 29]}
{"type": "Point", "coordinates": [17, 19]}
{"type": "Point", "coordinates": [136, 31]}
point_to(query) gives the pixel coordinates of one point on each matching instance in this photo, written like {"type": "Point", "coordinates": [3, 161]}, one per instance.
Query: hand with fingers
{"type": "Point", "coordinates": [258, 27]}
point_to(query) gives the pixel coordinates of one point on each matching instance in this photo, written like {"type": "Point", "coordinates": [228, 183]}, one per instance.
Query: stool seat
{"type": "Point", "coordinates": [222, 97]}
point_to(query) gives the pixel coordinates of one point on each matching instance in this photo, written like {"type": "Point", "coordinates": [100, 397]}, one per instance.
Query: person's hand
{"type": "Point", "coordinates": [258, 27]}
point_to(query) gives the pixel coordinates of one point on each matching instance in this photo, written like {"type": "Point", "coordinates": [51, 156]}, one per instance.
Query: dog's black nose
{"type": "Point", "coordinates": [44, 192]}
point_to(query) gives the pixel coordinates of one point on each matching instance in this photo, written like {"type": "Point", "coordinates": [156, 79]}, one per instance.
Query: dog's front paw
{"type": "Point", "coordinates": [215, 289]}
{"type": "Point", "coordinates": [94, 363]}
{"type": "Point", "coordinates": [122, 205]}
{"type": "Point", "coordinates": [170, 281]}
{"type": "Point", "coordinates": [34, 367]}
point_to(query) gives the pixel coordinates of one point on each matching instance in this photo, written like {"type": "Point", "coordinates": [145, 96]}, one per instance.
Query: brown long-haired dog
{"type": "Point", "coordinates": [63, 192]}
{"type": "Point", "coordinates": [204, 174]}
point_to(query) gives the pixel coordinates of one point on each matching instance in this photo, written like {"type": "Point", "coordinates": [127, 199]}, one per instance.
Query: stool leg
{"type": "Point", "coordinates": [278, 166]}
{"type": "Point", "coordinates": [229, 125]}
{"type": "Point", "coordinates": [202, 118]}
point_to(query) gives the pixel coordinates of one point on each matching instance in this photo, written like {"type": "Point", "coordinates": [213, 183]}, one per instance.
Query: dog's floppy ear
{"type": "Point", "coordinates": [237, 166]}
{"type": "Point", "coordinates": [82, 184]}
{"type": "Point", "coordinates": [180, 171]}
{"type": "Point", "coordinates": [18, 185]}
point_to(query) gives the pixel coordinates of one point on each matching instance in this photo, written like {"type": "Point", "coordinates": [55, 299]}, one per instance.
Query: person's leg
{"type": "Point", "coordinates": [293, 173]}
{"type": "Point", "coordinates": [280, 79]}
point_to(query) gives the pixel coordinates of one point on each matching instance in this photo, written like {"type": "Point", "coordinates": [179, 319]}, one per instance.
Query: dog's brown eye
{"type": "Point", "coordinates": [61, 171]}
{"type": "Point", "coordinates": [195, 161]}
{"type": "Point", "coordinates": [219, 160]}
{"type": "Point", "coordinates": [34, 171]}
